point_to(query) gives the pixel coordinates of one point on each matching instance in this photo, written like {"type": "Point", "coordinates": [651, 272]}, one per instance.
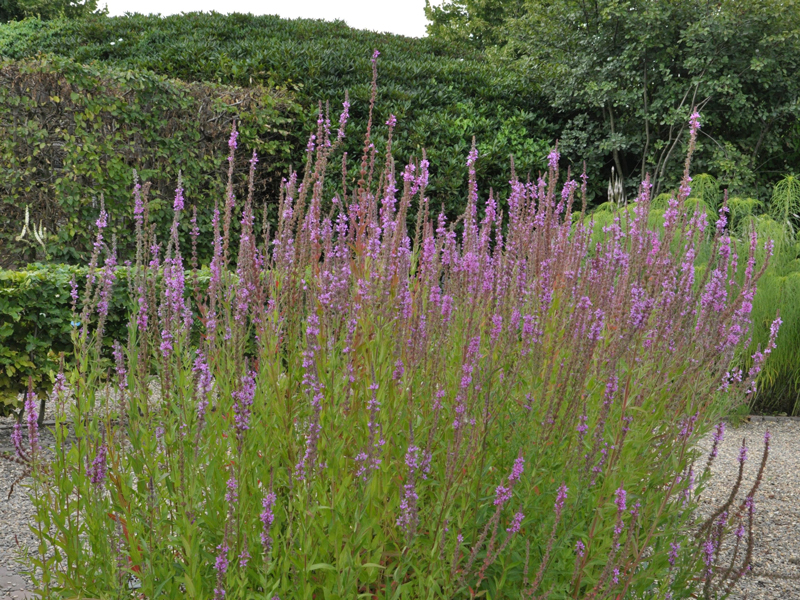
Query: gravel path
{"type": "Point", "coordinates": [15, 513]}
{"type": "Point", "coordinates": [776, 558]}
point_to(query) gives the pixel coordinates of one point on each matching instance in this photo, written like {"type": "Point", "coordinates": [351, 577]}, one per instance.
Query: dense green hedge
{"type": "Point", "coordinates": [69, 133]}
{"type": "Point", "coordinates": [442, 95]}
{"type": "Point", "coordinates": [35, 325]}
{"type": "Point", "coordinates": [36, 322]}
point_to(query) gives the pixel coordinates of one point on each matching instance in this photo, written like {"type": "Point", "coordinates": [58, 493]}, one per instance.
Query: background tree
{"type": "Point", "coordinates": [482, 22]}
{"type": "Point", "coordinates": [622, 77]}
{"type": "Point", "coordinates": [16, 10]}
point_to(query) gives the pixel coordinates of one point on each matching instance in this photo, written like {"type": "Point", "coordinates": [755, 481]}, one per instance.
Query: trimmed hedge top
{"type": "Point", "coordinates": [442, 95]}
{"type": "Point", "coordinates": [71, 133]}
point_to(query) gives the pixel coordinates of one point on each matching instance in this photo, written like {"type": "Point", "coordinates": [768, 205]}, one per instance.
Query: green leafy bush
{"type": "Point", "coordinates": [442, 94]}
{"type": "Point", "coordinates": [71, 133]}
{"type": "Point", "coordinates": [37, 323]}
{"type": "Point", "coordinates": [622, 77]}
{"type": "Point", "coordinates": [11, 10]}
{"type": "Point", "coordinates": [779, 291]}
{"type": "Point", "coordinates": [35, 326]}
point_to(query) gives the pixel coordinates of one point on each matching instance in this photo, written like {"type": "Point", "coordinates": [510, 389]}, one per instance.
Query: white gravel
{"type": "Point", "coordinates": [15, 513]}
{"type": "Point", "coordinates": [776, 557]}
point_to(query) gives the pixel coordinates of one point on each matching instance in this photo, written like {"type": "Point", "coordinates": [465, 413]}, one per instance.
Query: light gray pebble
{"type": "Point", "coordinates": [776, 554]}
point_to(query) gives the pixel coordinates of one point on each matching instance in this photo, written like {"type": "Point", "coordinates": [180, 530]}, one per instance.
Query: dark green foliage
{"type": "Point", "coordinates": [482, 22]}
{"type": "Point", "coordinates": [69, 133]}
{"type": "Point", "coordinates": [623, 75]}
{"type": "Point", "coordinates": [779, 290]}
{"type": "Point", "coordinates": [442, 94]}
{"type": "Point", "coordinates": [35, 325]}
{"type": "Point", "coordinates": [16, 10]}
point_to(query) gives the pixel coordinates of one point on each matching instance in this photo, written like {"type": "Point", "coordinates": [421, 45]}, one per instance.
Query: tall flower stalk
{"type": "Point", "coordinates": [428, 400]}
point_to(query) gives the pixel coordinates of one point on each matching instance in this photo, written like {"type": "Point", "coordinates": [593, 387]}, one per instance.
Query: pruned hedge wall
{"type": "Point", "coordinates": [36, 322]}
{"type": "Point", "coordinates": [69, 133]}
{"type": "Point", "coordinates": [442, 94]}
{"type": "Point", "coordinates": [36, 325]}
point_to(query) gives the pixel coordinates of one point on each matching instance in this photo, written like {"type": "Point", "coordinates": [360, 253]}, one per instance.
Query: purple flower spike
{"type": "Point", "coordinates": [343, 117]}
{"type": "Point", "coordinates": [620, 499]}
{"type": "Point", "coordinates": [102, 220]}
{"type": "Point", "coordinates": [119, 361]}
{"type": "Point", "coordinates": [242, 401]}
{"type": "Point", "coordinates": [516, 523]}
{"type": "Point", "coordinates": [232, 143]}
{"type": "Point", "coordinates": [553, 158]}
{"type": "Point", "coordinates": [472, 157]}
{"type": "Point", "coordinates": [244, 557]}
{"type": "Point", "coordinates": [407, 520]}
{"type": "Point", "coordinates": [97, 471]}
{"type": "Point", "coordinates": [138, 204]}
{"type": "Point", "coordinates": [205, 384]}
{"type": "Point", "coordinates": [694, 123]}
{"type": "Point", "coordinates": [580, 549]}
{"type": "Point", "coordinates": [719, 434]}
{"type": "Point", "coordinates": [233, 486]}
{"type": "Point", "coordinates": [502, 495]}
{"type": "Point", "coordinates": [560, 498]}
{"type": "Point", "coordinates": [33, 424]}
{"type": "Point", "coordinates": [267, 518]}
{"type": "Point", "coordinates": [178, 204]}
{"type": "Point", "coordinates": [221, 566]}
{"type": "Point", "coordinates": [708, 551]}
{"type": "Point", "coordinates": [675, 547]}
{"type": "Point", "coordinates": [516, 471]}
{"type": "Point", "coordinates": [16, 440]}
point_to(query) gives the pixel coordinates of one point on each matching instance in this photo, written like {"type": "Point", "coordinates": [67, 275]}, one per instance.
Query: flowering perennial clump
{"type": "Point", "coordinates": [367, 399]}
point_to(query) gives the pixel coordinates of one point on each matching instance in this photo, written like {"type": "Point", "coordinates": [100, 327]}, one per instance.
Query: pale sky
{"type": "Point", "coordinates": [405, 17]}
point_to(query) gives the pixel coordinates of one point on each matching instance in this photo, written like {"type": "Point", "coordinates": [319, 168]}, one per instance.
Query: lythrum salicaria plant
{"type": "Point", "coordinates": [360, 404]}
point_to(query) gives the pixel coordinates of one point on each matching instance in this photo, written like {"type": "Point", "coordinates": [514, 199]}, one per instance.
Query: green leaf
{"type": "Point", "coordinates": [322, 566]}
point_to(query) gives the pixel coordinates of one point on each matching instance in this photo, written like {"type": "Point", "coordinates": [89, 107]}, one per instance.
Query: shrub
{"type": "Point", "coordinates": [779, 382]}
{"type": "Point", "coordinates": [423, 413]}
{"type": "Point", "coordinates": [779, 290]}
{"type": "Point", "coordinates": [72, 133]}
{"type": "Point", "coordinates": [35, 326]}
{"type": "Point", "coordinates": [623, 77]}
{"type": "Point", "coordinates": [37, 318]}
{"type": "Point", "coordinates": [444, 94]}
{"type": "Point", "coordinates": [19, 9]}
